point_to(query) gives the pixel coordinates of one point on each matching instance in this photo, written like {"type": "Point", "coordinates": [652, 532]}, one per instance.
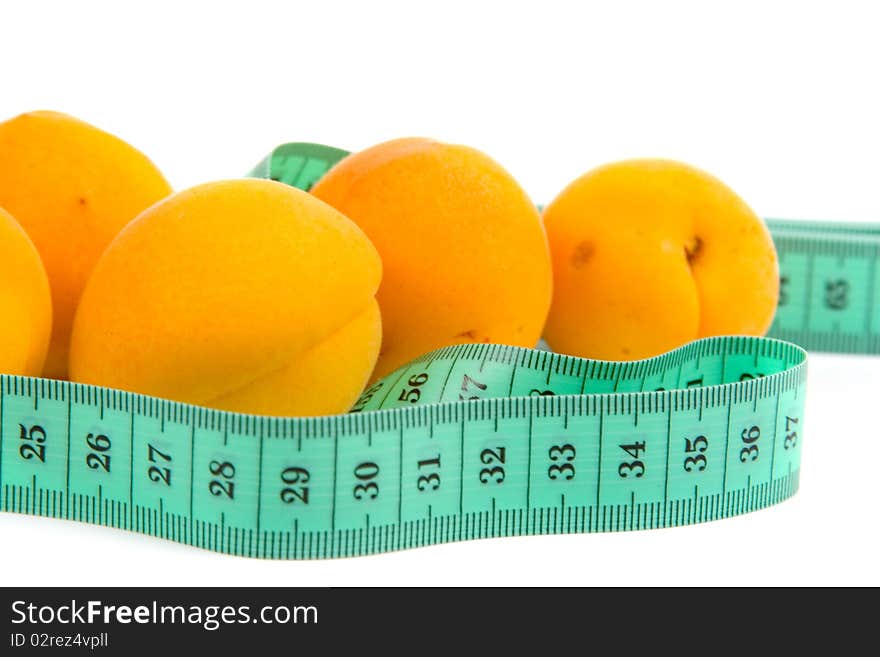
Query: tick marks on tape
{"type": "Point", "coordinates": [710, 430]}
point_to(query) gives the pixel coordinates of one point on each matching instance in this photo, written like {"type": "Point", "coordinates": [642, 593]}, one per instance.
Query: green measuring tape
{"type": "Point", "coordinates": [470, 441]}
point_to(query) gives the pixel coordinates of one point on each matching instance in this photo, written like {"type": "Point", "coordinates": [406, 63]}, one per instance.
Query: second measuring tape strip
{"type": "Point", "coordinates": [467, 442]}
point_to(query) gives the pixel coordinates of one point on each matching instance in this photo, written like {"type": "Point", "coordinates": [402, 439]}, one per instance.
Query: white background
{"type": "Point", "coordinates": [780, 100]}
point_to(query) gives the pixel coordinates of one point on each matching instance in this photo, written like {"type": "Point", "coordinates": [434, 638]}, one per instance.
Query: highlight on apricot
{"type": "Point", "coordinates": [243, 295]}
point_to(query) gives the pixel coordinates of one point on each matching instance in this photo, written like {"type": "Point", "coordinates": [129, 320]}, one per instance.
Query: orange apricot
{"type": "Point", "coordinates": [244, 295]}
{"type": "Point", "coordinates": [464, 253]}
{"type": "Point", "coordinates": [651, 254]}
{"type": "Point", "coordinates": [72, 187]}
{"type": "Point", "coordinates": [25, 304]}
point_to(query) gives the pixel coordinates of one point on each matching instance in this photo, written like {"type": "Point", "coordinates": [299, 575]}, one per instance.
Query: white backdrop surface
{"type": "Point", "coordinates": [779, 99]}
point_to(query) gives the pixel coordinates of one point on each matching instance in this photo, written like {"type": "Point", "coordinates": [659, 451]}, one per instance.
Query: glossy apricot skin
{"type": "Point", "coordinates": [243, 295]}
{"type": "Point", "coordinates": [650, 254]}
{"type": "Point", "coordinates": [464, 253]}
{"type": "Point", "coordinates": [72, 187]}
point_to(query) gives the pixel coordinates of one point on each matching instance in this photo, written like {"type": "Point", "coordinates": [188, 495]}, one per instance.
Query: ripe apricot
{"type": "Point", "coordinates": [244, 295]}
{"type": "Point", "coordinates": [650, 254]}
{"type": "Point", "coordinates": [25, 304]}
{"type": "Point", "coordinates": [464, 253]}
{"type": "Point", "coordinates": [72, 187]}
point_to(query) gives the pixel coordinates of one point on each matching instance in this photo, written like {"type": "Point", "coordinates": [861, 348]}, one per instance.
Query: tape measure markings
{"type": "Point", "coordinates": [172, 496]}
{"type": "Point", "coordinates": [840, 228]}
{"type": "Point", "coordinates": [299, 165]}
{"type": "Point", "coordinates": [829, 290]}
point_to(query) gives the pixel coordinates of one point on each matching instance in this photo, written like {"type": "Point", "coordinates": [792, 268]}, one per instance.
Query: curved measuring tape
{"type": "Point", "coordinates": [466, 442]}
{"type": "Point", "coordinates": [471, 441]}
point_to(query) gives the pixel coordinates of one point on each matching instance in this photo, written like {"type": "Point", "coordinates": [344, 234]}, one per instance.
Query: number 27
{"type": "Point", "coordinates": [157, 473]}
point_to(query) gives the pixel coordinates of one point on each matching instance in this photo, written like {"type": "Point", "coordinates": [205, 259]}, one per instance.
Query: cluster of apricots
{"type": "Point", "coordinates": [253, 296]}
